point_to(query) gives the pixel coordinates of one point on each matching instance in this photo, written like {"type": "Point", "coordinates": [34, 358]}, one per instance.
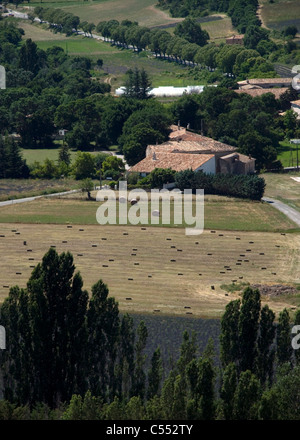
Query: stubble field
{"type": "Point", "coordinates": [157, 270]}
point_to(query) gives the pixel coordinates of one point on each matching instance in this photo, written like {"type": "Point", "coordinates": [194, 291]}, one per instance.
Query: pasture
{"type": "Point", "coordinates": [156, 270]}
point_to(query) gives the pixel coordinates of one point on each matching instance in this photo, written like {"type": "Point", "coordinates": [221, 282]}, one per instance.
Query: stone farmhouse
{"type": "Point", "coordinates": [235, 39]}
{"type": "Point", "coordinates": [187, 150]}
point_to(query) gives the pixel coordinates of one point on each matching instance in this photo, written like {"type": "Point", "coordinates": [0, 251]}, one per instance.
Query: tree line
{"type": "Point", "coordinates": [71, 355]}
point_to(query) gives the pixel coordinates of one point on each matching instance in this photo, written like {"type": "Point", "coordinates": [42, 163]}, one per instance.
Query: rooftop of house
{"type": "Point", "coordinates": [241, 157]}
{"type": "Point", "coordinates": [235, 37]}
{"type": "Point", "coordinates": [286, 81]}
{"type": "Point", "coordinates": [177, 162]}
{"type": "Point", "coordinates": [186, 141]}
{"type": "Point", "coordinates": [252, 91]}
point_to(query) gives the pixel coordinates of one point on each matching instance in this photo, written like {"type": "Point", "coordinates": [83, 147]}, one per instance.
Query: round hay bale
{"type": "Point", "coordinates": [122, 199]}
{"type": "Point", "coordinates": [133, 202]}
{"type": "Point", "coordinates": [156, 213]}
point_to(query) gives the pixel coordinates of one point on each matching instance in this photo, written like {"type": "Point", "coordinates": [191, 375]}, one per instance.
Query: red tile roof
{"type": "Point", "coordinates": [277, 92]}
{"type": "Point", "coordinates": [177, 162]}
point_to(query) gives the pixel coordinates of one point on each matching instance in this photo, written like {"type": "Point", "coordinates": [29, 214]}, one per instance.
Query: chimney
{"type": "Point", "coordinates": [154, 156]}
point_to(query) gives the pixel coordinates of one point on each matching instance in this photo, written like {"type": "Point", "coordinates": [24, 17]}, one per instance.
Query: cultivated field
{"type": "Point", "coordinates": [280, 13]}
{"type": "Point", "coordinates": [142, 11]}
{"type": "Point", "coordinates": [156, 270]}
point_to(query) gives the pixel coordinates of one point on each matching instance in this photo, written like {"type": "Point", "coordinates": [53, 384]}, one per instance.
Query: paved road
{"type": "Point", "coordinates": [287, 210]}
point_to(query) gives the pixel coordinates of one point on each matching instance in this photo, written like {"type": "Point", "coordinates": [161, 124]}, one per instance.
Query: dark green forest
{"type": "Point", "coordinates": [71, 355]}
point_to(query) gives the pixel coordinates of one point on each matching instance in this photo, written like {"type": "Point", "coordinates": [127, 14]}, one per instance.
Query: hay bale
{"type": "Point", "coordinates": [143, 229]}
{"type": "Point", "coordinates": [18, 273]}
{"type": "Point", "coordinates": [31, 259]}
{"type": "Point", "coordinates": [133, 255]}
{"type": "Point", "coordinates": [79, 255]}
{"type": "Point", "coordinates": [125, 233]}
{"type": "Point", "coordinates": [189, 313]}
{"type": "Point", "coordinates": [155, 213]}
{"type": "Point", "coordinates": [29, 250]}
{"type": "Point", "coordinates": [103, 238]}
{"type": "Point", "coordinates": [212, 287]}
{"type": "Point", "coordinates": [6, 287]}
{"type": "Point", "coordinates": [180, 274]}
{"type": "Point", "coordinates": [128, 299]}
{"type": "Point", "coordinates": [156, 310]}
{"type": "Point", "coordinates": [149, 276]}
{"type": "Point", "coordinates": [133, 202]}
{"type": "Point", "coordinates": [111, 259]}
{"type": "Point", "coordinates": [261, 253]}
{"type": "Point", "coordinates": [187, 307]}
{"type": "Point", "coordinates": [196, 242]}
{"type": "Point", "coordinates": [169, 239]}
{"type": "Point", "coordinates": [65, 241]}
{"type": "Point", "coordinates": [2, 236]}
{"type": "Point", "coordinates": [81, 230]}
{"type": "Point", "coordinates": [213, 232]}
{"type": "Point", "coordinates": [122, 199]}
{"type": "Point", "coordinates": [136, 264]}
{"type": "Point", "coordinates": [94, 245]}
{"type": "Point", "coordinates": [69, 227]}
{"type": "Point", "coordinates": [25, 243]}
{"type": "Point", "coordinates": [173, 261]}
{"type": "Point", "coordinates": [130, 279]}
{"type": "Point", "coordinates": [104, 265]}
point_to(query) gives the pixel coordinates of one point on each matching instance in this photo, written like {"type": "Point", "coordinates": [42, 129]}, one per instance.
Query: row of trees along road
{"type": "Point", "coordinates": [74, 353]}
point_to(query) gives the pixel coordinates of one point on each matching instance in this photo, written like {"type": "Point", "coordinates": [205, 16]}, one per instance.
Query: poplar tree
{"type": "Point", "coordinates": [248, 328]}
{"type": "Point", "coordinates": [283, 336]}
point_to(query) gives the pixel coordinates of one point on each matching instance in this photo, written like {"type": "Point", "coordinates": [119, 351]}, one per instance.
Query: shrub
{"type": "Point", "coordinates": [243, 186]}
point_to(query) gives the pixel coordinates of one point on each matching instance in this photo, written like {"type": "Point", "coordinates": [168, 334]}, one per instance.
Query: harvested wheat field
{"type": "Point", "coordinates": [157, 270]}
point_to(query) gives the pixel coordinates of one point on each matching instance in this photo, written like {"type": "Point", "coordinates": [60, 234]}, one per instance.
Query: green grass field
{"type": "Point", "coordinates": [288, 154]}
{"type": "Point", "coordinates": [219, 213]}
